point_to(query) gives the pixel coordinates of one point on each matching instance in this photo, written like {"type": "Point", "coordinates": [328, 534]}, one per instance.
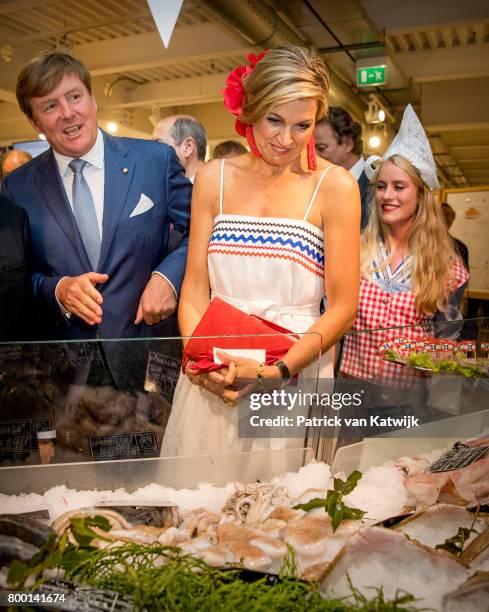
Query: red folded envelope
{"type": "Point", "coordinates": [235, 330]}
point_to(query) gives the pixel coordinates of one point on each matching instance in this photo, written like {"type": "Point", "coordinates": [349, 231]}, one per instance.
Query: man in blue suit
{"type": "Point", "coordinates": [100, 208]}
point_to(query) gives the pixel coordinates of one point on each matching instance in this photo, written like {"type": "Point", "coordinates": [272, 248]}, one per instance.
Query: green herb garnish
{"type": "Point", "coordinates": [162, 578]}
{"type": "Point", "coordinates": [425, 360]}
{"type": "Point", "coordinates": [59, 552]}
{"type": "Point", "coordinates": [421, 360]}
{"type": "Point", "coordinates": [289, 564]}
{"type": "Point", "coordinates": [390, 355]}
{"type": "Point", "coordinates": [446, 365]}
{"type": "Point", "coordinates": [333, 503]}
{"type": "Point", "coordinates": [455, 544]}
{"type": "Point", "coordinates": [470, 371]}
{"type": "Point", "coordinates": [378, 603]}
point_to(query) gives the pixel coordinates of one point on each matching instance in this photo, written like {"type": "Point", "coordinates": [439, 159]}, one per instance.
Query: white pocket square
{"type": "Point", "coordinates": [143, 206]}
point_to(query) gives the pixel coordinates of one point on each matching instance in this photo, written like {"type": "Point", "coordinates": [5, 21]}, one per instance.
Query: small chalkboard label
{"type": "Point", "coordinates": [458, 458]}
{"type": "Point", "coordinates": [162, 374]}
{"type": "Point", "coordinates": [19, 438]}
{"type": "Point", "coordinates": [16, 448]}
{"type": "Point", "coordinates": [39, 425]}
{"type": "Point", "coordinates": [134, 445]}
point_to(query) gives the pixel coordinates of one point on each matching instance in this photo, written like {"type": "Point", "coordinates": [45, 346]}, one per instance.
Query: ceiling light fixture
{"type": "Point", "coordinates": [112, 127]}
{"type": "Point", "coordinates": [375, 113]}
{"type": "Point", "coordinates": [374, 141]}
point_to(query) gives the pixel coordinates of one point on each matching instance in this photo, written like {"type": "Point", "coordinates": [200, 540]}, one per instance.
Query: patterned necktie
{"type": "Point", "coordinates": [84, 212]}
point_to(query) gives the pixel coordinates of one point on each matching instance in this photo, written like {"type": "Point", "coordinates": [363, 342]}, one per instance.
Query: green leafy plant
{"type": "Point", "coordinates": [422, 360]}
{"type": "Point", "coordinates": [425, 360]}
{"type": "Point", "coordinates": [455, 544]}
{"type": "Point", "coordinates": [378, 603]}
{"type": "Point", "coordinates": [333, 503]}
{"type": "Point", "coordinates": [289, 564]}
{"type": "Point", "coordinates": [59, 552]}
{"type": "Point", "coordinates": [162, 578]}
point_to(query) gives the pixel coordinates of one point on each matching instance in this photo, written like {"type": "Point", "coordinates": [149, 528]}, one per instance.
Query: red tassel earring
{"type": "Point", "coordinates": [311, 155]}
{"type": "Point", "coordinates": [251, 141]}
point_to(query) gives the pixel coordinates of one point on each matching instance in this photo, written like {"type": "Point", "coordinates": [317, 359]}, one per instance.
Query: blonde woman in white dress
{"type": "Point", "coordinates": [272, 232]}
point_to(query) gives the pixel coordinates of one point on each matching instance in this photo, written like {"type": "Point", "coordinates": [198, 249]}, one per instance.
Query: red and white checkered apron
{"type": "Point", "coordinates": [380, 309]}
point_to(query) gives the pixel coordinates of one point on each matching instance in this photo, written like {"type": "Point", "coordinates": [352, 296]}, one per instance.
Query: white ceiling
{"type": "Point", "coordinates": [437, 56]}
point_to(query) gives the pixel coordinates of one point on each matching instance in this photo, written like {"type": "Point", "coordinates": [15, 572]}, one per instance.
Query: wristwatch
{"type": "Point", "coordinates": [284, 371]}
{"type": "Point", "coordinates": [259, 373]}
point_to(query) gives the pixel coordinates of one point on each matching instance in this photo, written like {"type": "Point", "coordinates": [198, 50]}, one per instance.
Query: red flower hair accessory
{"type": "Point", "coordinates": [234, 91]}
{"type": "Point", "coordinates": [234, 98]}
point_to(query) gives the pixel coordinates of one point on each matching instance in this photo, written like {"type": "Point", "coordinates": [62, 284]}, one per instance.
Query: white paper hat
{"type": "Point", "coordinates": [412, 143]}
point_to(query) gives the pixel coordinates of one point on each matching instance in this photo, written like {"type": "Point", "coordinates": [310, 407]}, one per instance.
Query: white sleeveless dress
{"type": "Point", "coordinates": [272, 267]}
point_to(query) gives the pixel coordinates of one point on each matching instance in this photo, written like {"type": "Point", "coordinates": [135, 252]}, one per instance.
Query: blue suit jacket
{"type": "Point", "coordinates": [132, 247]}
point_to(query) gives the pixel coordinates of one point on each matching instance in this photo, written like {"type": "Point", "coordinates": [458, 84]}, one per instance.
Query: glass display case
{"type": "Point", "coordinates": [427, 388]}
{"type": "Point", "coordinates": [93, 414]}
{"type": "Point", "coordinates": [83, 424]}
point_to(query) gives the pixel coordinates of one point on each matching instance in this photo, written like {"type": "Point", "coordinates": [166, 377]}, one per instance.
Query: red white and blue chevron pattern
{"type": "Point", "coordinates": [295, 240]}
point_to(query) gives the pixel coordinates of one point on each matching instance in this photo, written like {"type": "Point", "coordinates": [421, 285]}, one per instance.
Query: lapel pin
{"type": "Point", "coordinates": [125, 170]}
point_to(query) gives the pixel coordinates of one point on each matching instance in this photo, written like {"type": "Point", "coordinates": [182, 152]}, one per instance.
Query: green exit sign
{"type": "Point", "coordinates": [371, 75]}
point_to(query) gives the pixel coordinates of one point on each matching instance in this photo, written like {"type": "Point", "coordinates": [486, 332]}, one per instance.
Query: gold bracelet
{"type": "Point", "coordinates": [188, 366]}
{"type": "Point", "coordinates": [259, 372]}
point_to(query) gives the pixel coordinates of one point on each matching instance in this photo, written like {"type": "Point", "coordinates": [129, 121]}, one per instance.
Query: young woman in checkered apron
{"type": "Point", "coordinates": [268, 236]}
{"type": "Point", "coordinates": [410, 273]}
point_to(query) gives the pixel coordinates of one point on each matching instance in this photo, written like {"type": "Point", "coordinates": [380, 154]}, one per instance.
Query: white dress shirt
{"type": "Point", "coordinates": [357, 168]}
{"type": "Point", "coordinates": [95, 176]}
{"type": "Point", "coordinates": [93, 173]}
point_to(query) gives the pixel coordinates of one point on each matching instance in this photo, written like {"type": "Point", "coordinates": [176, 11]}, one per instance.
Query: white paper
{"type": "Point", "coordinates": [256, 354]}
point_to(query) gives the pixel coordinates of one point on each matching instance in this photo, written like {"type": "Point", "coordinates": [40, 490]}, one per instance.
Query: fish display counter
{"type": "Point", "coordinates": [110, 400]}
{"type": "Point", "coordinates": [379, 501]}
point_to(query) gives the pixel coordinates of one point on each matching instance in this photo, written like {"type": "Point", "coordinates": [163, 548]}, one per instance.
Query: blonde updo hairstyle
{"type": "Point", "coordinates": [285, 74]}
{"type": "Point", "coordinates": [428, 241]}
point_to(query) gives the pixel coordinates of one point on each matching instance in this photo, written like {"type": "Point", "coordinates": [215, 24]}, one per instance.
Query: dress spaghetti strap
{"type": "Point", "coordinates": [221, 186]}
{"type": "Point", "coordinates": [323, 174]}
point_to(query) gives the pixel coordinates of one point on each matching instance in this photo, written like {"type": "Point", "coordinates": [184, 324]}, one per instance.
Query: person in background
{"type": "Point", "coordinates": [476, 307]}
{"type": "Point", "coordinates": [187, 136]}
{"type": "Point", "coordinates": [284, 203]}
{"type": "Point", "coordinates": [410, 272]}
{"type": "Point", "coordinates": [99, 209]}
{"type": "Point", "coordinates": [15, 263]}
{"type": "Point", "coordinates": [13, 159]}
{"type": "Point", "coordinates": [228, 148]}
{"type": "Point", "coordinates": [449, 215]}
{"type": "Point", "coordinates": [339, 140]}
